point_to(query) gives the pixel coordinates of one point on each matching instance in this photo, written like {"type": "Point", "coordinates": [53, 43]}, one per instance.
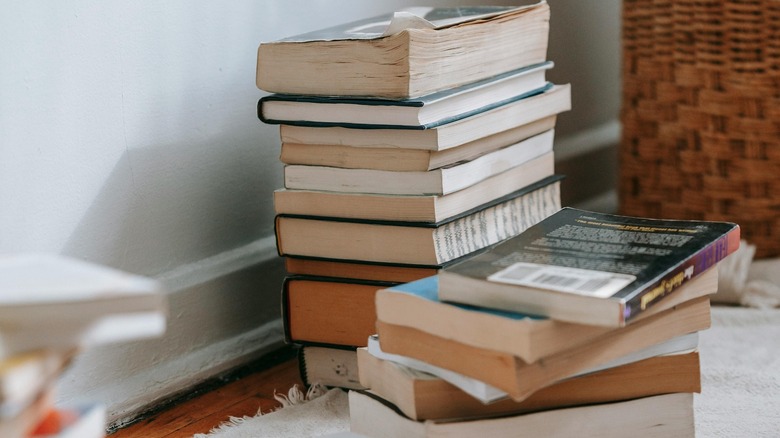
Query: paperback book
{"type": "Point", "coordinates": [361, 58]}
{"type": "Point", "coordinates": [530, 337]}
{"type": "Point", "coordinates": [416, 243]}
{"type": "Point", "coordinates": [407, 159]}
{"type": "Point", "coordinates": [423, 396]}
{"type": "Point", "coordinates": [590, 268]}
{"type": "Point", "coordinates": [668, 415]}
{"type": "Point", "coordinates": [521, 379]}
{"type": "Point", "coordinates": [441, 181]}
{"type": "Point", "coordinates": [415, 208]}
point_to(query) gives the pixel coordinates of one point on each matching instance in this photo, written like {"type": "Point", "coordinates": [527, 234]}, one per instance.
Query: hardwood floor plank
{"type": "Point", "coordinates": [205, 411]}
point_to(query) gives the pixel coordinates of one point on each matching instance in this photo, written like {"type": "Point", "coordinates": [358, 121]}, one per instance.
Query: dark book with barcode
{"type": "Point", "coordinates": [589, 268]}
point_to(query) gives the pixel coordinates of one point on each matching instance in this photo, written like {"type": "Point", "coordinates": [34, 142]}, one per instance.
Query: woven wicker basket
{"type": "Point", "coordinates": [701, 114]}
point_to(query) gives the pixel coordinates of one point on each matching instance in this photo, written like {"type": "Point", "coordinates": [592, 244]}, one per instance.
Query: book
{"type": "Point", "coordinates": [39, 287]}
{"type": "Point", "coordinates": [422, 112]}
{"type": "Point", "coordinates": [462, 132]}
{"type": "Point", "coordinates": [477, 389]}
{"type": "Point", "coordinates": [521, 379]}
{"type": "Point", "coordinates": [407, 159]}
{"type": "Point", "coordinates": [423, 396]}
{"type": "Point", "coordinates": [25, 422]}
{"type": "Point", "coordinates": [530, 337]}
{"type": "Point", "coordinates": [414, 208]}
{"type": "Point", "coordinates": [87, 421]}
{"type": "Point", "coordinates": [416, 243]}
{"type": "Point", "coordinates": [329, 311]}
{"type": "Point", "coordinates": [589, 268]}
{"type": "Point", "coordinates": [329, 366]}
{"type": "Point", "coordinates": [90, 332]}
{"type": "Point", "coordinates": [361, 58]}
{"type": "Point", "coordinates": [53, 301]}
{"type": "Point", "coordinates": [23, 377]}
{"type": "Point", "coordinates": [357, 270]}
{"type": "Point", "coordinates": [660, 416]}
{"type": "Point", "coordinates": [487, 393]}
{"type": "Point", "coordinates": [431, 182]}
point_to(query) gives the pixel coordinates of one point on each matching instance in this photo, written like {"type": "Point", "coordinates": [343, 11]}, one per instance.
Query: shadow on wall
{"type": "Point", "coordinates": [166, 206]}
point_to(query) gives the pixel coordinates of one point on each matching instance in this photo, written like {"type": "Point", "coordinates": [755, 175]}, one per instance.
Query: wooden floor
{"type": "Point", "coordinates": [245, 393]}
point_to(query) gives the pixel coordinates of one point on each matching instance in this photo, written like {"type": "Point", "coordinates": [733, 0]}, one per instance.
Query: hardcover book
{"type": "Point", "coordinates": [415, 208]}
{"type": "Point", "coordinates": [423, 112]}
{"type": "Point", "coordinates": [590, 268]}
{"type": "Point", "coordinates": [329, 311]}
{"type": "Point", "coordinates": [361, 58]}
{"type": "Point", "coordinates": [360, 271]}
{"type": "Point", "coordinates": [443, 181]}
{"type": "Point", "coordinates": [416, 243]}
{"type": "Point", "coordinates": [405, 159]}
{"type": "Point", "coordinates": [506, 117]}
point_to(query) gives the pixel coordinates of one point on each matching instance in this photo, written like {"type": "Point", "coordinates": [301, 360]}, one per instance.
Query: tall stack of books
{"type": "Point", "coordinates": [410, 141]}
{"type": "Point", "coordinates": [584, 325]}
{"type": "Point", "coordinates": [51, 309]}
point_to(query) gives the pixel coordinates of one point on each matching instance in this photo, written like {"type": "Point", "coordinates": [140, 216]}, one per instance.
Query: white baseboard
{"type": "Point", "coordinates": [185, 372]}
{"type": "Point", "coordinates": [132, 377]}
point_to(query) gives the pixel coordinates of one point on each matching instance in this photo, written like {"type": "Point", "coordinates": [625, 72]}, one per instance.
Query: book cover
{"type": "Point", "coordinates": [423, 112]}
{"type": "Point", "coordinates": [589, 267]}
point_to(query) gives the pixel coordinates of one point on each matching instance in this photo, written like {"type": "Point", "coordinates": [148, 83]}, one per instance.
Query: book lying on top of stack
{"type": "Point", "coordinates": [389, 179]}
{"type": "Point", "coordinates": [438, 364]}
{"type": "Point", "coordinates": [406, 54]}
{"type": "Point", "coordinates": [51, 308]}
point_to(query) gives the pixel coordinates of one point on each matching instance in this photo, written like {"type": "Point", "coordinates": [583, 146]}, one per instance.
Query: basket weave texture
{"type": "Point", "coordinates": [701, 114]}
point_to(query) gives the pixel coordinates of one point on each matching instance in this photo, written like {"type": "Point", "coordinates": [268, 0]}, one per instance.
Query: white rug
{"type": "Point", "coordinates": [740, 359]}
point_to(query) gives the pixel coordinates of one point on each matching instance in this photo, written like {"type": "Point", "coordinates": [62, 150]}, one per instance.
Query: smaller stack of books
{"type": "Point", "coordinates": [404, 152]}
{"type": "Point", "coordinates": [51, 308]}
{"type": "Point", "coordinates": [586, 324]}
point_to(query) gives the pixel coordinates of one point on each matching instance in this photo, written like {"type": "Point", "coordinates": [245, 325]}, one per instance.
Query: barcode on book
{"type": "Point", "coordinates": [563, 279]}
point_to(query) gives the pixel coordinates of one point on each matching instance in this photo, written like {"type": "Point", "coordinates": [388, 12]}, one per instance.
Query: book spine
{"type": "Point", "coordinates": [492, 225]}
{"type": "Point", "coordinates": [692, 267]}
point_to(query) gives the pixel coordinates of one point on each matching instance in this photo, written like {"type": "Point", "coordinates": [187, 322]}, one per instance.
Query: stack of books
{"type": "Point", "coordinates": [409, 141]}
{"type": "Point", "coordinates": [585, 325]}
{"type": "Point", "coordinates": [51, 308]}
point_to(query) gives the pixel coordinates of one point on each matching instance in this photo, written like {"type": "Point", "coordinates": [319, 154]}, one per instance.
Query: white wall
{"type": "Point", "coordinates": [128, 137]}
